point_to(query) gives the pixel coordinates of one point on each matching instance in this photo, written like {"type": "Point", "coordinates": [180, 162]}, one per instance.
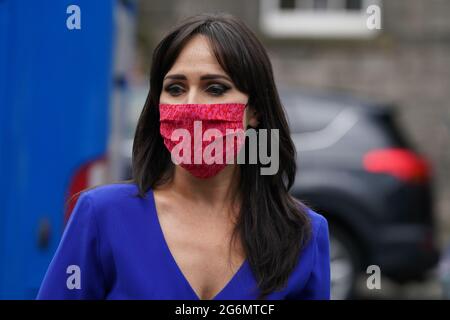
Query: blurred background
{"type": "Point", "coordinates": [368, 107]}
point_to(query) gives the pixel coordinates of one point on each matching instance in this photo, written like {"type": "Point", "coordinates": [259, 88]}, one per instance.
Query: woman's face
{"type": "Point", "coordinates": [197, 77]}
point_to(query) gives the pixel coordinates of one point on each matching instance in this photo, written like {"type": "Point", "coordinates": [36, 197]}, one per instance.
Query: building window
{"type": "Point", "coordinates": [317, 18]}
{"type": "Point", "coordinates": [287, 4]}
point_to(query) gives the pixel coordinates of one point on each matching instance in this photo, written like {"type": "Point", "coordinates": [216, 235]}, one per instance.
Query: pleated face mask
{"type": "Point", "coordinates": [203, 138]}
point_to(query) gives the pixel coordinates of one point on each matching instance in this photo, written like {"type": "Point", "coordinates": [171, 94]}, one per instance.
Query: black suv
{"type": "Point", "coordinates": [355, 168]}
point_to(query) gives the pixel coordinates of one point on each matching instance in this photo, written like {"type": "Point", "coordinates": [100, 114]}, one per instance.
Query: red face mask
{"type": "Point", "coordinates": [203, 137]}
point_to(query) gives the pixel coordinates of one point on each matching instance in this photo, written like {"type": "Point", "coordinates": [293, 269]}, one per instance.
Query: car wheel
{"type": "Point", "coordinates": [344, 258]}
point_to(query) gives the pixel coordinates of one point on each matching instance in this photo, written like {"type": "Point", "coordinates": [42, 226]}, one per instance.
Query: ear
{"type": "Point", "coordinates": [253, 117]}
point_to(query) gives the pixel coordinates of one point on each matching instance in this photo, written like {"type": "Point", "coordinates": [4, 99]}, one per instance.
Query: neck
{"type": "Point", "coordinates": [216, 190]}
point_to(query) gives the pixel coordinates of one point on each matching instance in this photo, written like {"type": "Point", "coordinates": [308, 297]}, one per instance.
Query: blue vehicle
{"type": "Point", "coordinates": [56, 86]}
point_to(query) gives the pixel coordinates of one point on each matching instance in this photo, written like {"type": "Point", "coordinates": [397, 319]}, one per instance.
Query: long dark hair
{"type": "Point", "coordinates": [273, 225]}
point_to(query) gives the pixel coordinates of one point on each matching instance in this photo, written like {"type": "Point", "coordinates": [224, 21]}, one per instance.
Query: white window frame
{"type": "Point", "coordinates": [309, 23]}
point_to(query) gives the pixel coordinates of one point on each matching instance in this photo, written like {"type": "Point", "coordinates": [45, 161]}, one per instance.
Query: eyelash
{"type": "Point", "coordinates": [216, 86]}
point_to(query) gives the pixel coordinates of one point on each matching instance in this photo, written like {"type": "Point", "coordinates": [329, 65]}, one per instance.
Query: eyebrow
{"type": "Point", "coordinates": [204, 77]}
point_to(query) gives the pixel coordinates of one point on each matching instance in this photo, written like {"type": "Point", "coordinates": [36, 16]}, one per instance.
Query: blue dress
{"type": "Point", "coordinates": [113, 247]}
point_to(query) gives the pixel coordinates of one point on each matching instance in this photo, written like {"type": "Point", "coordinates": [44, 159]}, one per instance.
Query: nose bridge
{"type": "Point", "coordinates": [192, 96]}
{"type": "Point", "coordinates": [195, 95]}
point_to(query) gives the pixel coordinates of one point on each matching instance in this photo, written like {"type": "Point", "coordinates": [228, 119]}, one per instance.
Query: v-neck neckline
{"type": "Point", "coordinates": [173, 261]}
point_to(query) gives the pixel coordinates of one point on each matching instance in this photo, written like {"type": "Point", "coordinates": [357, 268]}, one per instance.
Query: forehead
{"type": "Point", "coordinates": [196, 57]}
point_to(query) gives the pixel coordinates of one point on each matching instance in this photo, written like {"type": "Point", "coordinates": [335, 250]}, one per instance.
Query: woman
{"type": "Point", "coordinates": [202, 230]}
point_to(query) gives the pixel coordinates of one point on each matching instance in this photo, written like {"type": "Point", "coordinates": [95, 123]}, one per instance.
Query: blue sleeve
{"type": "Point", "coordinates": [75, 271]}
{"type": "Point", "coordinates": [318, 285]}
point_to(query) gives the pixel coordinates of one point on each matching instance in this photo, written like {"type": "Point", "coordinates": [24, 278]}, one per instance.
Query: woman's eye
{"type": "Point", "coordinates": [217, 89]}
{"type": "Point", "coordinates": [174, 90]}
